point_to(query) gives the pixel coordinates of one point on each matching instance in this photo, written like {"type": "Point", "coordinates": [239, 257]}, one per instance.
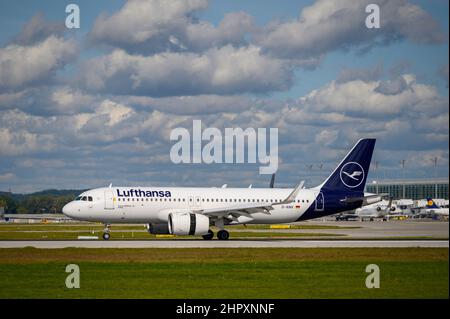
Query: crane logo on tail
{"type": "Point", "coordinates": [352, 174]}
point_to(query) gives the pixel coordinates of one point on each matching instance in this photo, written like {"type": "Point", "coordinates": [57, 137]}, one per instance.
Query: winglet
{"type": "Point", "coordinates": [294, 194]}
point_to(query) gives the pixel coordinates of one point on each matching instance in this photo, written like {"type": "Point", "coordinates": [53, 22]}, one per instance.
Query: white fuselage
{"type": "Point", "coordinates": [377, 210]}
{"type": "Point", "coordinates": [438, 211]}
{"type": "Point", "coordinates": [132, 205]}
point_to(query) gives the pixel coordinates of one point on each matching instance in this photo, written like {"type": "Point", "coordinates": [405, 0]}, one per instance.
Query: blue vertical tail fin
{"type": "Point", "coordinates": [351, 173]}
{"type": "Point", "coordinates": [431, 203]}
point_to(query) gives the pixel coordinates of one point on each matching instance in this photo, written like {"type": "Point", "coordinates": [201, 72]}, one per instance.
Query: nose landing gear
{"type": "Point", "coordinates": [106, 232]}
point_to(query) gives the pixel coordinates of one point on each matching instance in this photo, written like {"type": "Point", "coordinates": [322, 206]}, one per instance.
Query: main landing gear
{"type": "Point", "coordinates": [223, 235]}
{"type": "Point", "coordinates": [209, 235]}
{"type": "Point", "coordinates": [106, 232]}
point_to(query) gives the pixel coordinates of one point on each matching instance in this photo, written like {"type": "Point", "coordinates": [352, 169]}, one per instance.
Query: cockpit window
{"type": "Point", "coordinates": [90, 198]}
{"type": "Point", "coordinates": [78, 198]}
{"type": "Point", "coordinates": [84, 198]}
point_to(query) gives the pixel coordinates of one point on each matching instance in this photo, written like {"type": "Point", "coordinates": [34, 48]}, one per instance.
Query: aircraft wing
{"type": "Point", "coordinates": [243, 209]}
{"type": "Point", "coordinates": [366, 200]}
{"type": "Point", "coordinates": [8, 217]}
{"type": "Point", "coordinates": [250, 208]}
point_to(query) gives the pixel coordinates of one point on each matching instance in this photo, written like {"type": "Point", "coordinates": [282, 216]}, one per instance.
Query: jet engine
{"type": "Point", "coordinates": [188, 224]}
{"type": "Point", "coordinates": [156, 229]}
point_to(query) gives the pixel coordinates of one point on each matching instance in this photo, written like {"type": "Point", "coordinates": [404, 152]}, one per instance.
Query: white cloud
{"type": "Point", "coordinates": [327, 26]}
{"type": "Point", "coordinates": [115, 111]}
{"type": "Point", "coordinates": [366, 98]}
{"type": "Point", "coordinates": [22, 142]}
{"type": "Point", "coordinates": [191, 105]}
{"type": "Point", "coordinates": [231, 30]}
{"type": "Point", "coordinates": [141, 20]}
{"type": "Point", "coordinates": [29, 65]}
{"type": "Point", "coordinates": [153, 26]}
{"type": "Point", "coordinates": [38, 29]}
{"type": "Point", "coordinates": [226, 70]}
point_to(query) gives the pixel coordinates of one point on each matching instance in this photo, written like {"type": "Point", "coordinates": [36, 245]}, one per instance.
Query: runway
{"type": "Point", "coordinates": [226, 244]}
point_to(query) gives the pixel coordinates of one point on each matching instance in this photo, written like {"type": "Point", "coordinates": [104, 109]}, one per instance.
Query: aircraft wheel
{"type": "Point", "coordinates": [223, 235]}
{"type": "Point", "coordinates": [209, 235]}
{"type": "Point", "coordinates": [106, 236]}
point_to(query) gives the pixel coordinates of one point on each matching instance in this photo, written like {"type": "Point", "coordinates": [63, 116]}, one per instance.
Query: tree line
{"type": "Point", "coordinates": [46, 202]}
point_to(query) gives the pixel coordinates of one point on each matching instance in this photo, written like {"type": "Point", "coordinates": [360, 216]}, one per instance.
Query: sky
{"type": "Point", "coordinates": [83, 108]}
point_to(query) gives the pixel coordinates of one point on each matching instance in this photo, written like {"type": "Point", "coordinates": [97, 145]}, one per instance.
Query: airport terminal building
{"type": "Point", "coordinates": [412, 189]}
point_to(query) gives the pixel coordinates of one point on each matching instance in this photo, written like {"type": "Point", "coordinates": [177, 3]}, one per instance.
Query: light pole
{"type": "Point", "coordinates": [435, 177]}
{"type": "Point", "coordinates": [376, 175]}
{"type": "Point", "coordinates": [309, 167]}
{"type": "Point", "coordinates": [403, 177]}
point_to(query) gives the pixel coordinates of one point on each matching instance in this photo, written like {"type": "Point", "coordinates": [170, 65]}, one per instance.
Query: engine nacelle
{"type": "Point", "coordinates": [188, 224]}
{"type": "Point", "coordinates": [157, 229]}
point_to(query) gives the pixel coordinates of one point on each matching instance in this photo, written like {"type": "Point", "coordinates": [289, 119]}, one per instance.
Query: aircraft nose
{"type": "Point", "coordinates": [69, 210]}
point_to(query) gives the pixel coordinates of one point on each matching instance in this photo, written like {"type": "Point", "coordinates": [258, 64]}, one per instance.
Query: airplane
{"type": "Point", "coordinates": [432, 208]}
{"type": "Point", "coordinates": [40, 217]}
{"type": "Point", "coordinates": [191, 211]}
{"type": "Point", "coordinates": [382, 210]}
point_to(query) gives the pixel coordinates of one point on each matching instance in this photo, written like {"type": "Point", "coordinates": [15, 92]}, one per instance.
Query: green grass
{"type": "Point", "coordinates": [224, 273]}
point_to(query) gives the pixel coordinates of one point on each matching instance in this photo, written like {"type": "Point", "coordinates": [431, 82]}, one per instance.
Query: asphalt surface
{"type": "Point", "coordinates": [379, 229]}
{"type": "Point", "coordinates": [224, 244]}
